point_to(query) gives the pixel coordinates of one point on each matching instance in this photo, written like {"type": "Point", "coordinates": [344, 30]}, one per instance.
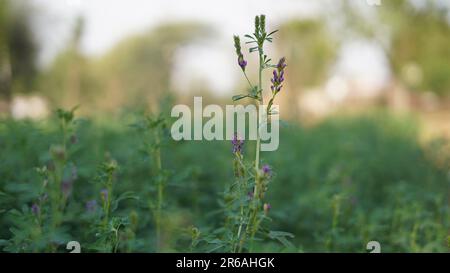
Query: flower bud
{"type": "Point", "coordinates": [35, 209]}
{"type": "Point", "coordinates": [58, 152]}
{"type": "Point", "coordinates": [267, 171]}
{"type": "Point", "coordinates": [242, 63]}
{"type": "Point", "coordinates": [104, 195]}
{"type": "Point", "coordinates": [237, 144]}
{"type": "Point", "coordinates": [267, 208]}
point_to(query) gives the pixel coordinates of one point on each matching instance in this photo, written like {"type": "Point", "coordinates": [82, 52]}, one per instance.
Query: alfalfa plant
{"type": "Point", "coordinates": [153, 129]}
{"type": "Point", "coordinates": [255, 211]}
{"type": "Point", "coordinates": [112, 230]}
{"type": "Point", "coordinates": [245, 201]}
{"type": "Point", "coordinates": [38, 226]}
{"type": "Point", "coordinates": [62, 173]}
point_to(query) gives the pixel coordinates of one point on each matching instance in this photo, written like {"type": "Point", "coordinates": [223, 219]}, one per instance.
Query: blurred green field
{"type": "Point", "coordinates": [337, 185]}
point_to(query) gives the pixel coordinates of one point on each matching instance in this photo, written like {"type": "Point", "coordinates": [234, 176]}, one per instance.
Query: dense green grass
{"type": "Point", "coordinates": [336, 186]}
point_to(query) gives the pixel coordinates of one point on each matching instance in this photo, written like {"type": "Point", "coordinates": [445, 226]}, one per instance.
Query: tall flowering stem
{"type": "Point", "coordinates": [260, 176]}
{"type": "Point", "coordinates": [152, 128]}
{"type": "Point", "coordinates": [240, 175]}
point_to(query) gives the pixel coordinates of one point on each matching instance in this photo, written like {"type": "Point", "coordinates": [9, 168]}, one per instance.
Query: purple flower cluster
{"type": "Point", "coordinates": [278, 76]}
{"type": "Point", "coordinates": [242, 63]}
{"type": "Point", "coordinates": [237, 45]}
{"type": "Point", "coordinates": [267, 171]}
{"type": "Point", "coordinates": [237, 144]}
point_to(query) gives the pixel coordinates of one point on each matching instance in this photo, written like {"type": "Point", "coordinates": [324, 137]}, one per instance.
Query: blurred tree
{"type": "Point", "coordinates": [415, 36]}
{"type": "Point", "coordinates": [310, 50]}
{"type": "Point", "coordinates": [18, 48]}
{"type": "Point", "coordinates": [70, 79]}
{"type": "Point", "coordinates": [420, 45]}
{"type": "Point", "coordinates": [138, 70]}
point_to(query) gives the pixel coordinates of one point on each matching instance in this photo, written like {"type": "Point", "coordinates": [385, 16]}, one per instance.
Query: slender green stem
{"type": "Point", "coordinates": [116, 240]}
{"type": "Point", "coordinates": [259, 102]}
{"type": "Point", "coordinates": [248, 80]}
{"type": "Point", "coordinates": [241, 222]}
{"type": "Point", "coordinates": [157, 156]}
{"type": "Point", "coordinates": [64, 131]}
{"type": "Point", "coordinates": [251, 225]}
{"type": "Point", "coordinates": [107, 204]}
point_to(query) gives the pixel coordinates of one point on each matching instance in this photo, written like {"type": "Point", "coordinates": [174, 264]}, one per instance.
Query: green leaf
{"type": "Point", "coordinates": [219, 246]}
{"type": "Point", "coordinates": [282, 236]}
{"type": "Point", "coordinates": [276, 233]}
{"type": "Point", "coordinates": [254, 92]}
{"type": "Point", "coordinates": [250, 37]}
{"type": "Point", "coordinates": [123, 196]}
{"type": "Point", "coordinates": [239, 97]}
{"type": "Point", "coordinates": [273, 32]}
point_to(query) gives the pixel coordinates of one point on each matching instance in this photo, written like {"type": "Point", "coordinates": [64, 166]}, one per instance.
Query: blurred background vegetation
{"type": "Point", "coordinates": [414, 38]}
{"type": "Point", "coordinates": [370, 151]}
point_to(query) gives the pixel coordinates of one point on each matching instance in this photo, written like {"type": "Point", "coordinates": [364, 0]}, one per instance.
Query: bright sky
{"type": "Point", "coordinates": [109, 21]}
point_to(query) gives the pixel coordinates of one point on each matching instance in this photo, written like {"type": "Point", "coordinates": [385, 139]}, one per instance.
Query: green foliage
{"type": "Point", "coordinates": [136, 72]}
{"type": "Point", "coordinates": [389, 186]}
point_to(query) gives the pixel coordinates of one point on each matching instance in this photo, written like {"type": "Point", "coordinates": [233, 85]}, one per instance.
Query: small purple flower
{"type": "Point", "coordinates": [35, 209]}
{"type": "Point", "coordinates": [91, 205]}
{"type": "Point", "coordinates": [278, 76]}
{"type": "Point", "coordinates": [267, 171]}
{"type": "Point", "coordinates": [237, 144]}
{"type": "Point", "coordinates": [237, 45]}
{"type": "Point", "coordinates": [242, 63]}
{"type": "Point", "coordinates": [267, 208]}
{"type": "Point", "coordinates": [104, 195]}
{"type": "Point", "coordinates": [66, 187]}
{"type": "Point", "coordinates": [281, 64]}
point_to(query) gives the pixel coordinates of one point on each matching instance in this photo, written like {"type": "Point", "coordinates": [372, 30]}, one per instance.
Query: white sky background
{"type": "Point", "coordinates": [109, 21]}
